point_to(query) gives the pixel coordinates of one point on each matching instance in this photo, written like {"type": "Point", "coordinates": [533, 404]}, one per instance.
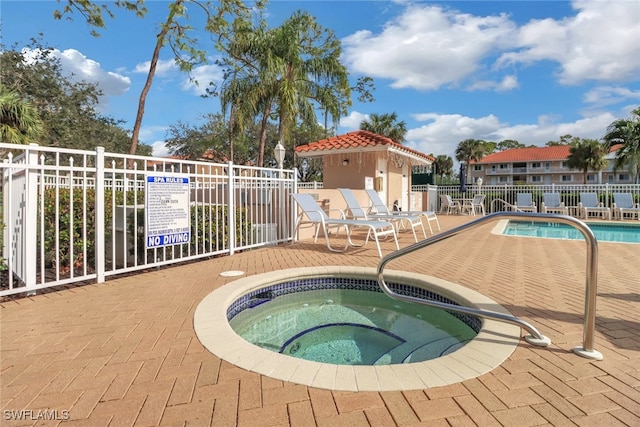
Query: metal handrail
{"type": "Point", "coordinates": [587, 350]}
{"type": "Point", "coordinates": [504, 204]}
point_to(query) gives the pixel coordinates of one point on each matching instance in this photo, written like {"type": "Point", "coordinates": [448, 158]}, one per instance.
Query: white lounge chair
{"type": "Point", "coordinates": [448, 205]}
{"type": "Point", "coordinates": [318, 218]}
{"type": "Point", "coordinates": [378, 206]}
{"type": "Point", "coordinates": [589, 204]}
{"type": "Point", "coordinates": [551, 204]}
{"type": "Point", "coordinates": [355, 211]}
{"type": "Point", "coordinates": [525, 203]}
{"type": "Point", "coordinates": [623, 204]}
{"type": "Point", "coordinates": [475, 206]}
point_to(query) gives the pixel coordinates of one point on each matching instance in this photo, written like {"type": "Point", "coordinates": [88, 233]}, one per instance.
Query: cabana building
{"type": "Point", "coordinates": [365, 160]}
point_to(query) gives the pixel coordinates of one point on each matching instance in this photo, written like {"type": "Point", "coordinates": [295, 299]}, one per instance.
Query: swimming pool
{"type": "Point", "coordinates": [604, 232]}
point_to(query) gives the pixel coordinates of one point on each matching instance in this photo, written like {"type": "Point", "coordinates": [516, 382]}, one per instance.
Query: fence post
{"type": "Point", "coordinates": [293, 208]}
{"type": "Point", "coordinates": [231, 226]}
{"type": "Point", "coordinates": [29, 249]}
{"type": "Point", "coordinates": [99, 219]}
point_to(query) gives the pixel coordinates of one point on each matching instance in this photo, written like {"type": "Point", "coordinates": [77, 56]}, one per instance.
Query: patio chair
{"type": "Point", "coordinates": [589, 204]}
{"type": "Point", "coordinates": [525, 203]}
{"type": "Point", "coordinates": [551, 204]}
{"type": "Point", "coordinates": [355, 211]}
{"type": "Point", "coordinates": [475, 206]}
{"type": "Point", "coordinates": [378, 206]}
{"type": "Point", "coordinates": [319, 218]}
{"type": "Point", "coordinates": [448, 205]}
{"type": "Point", "coordinates": [623, 204]}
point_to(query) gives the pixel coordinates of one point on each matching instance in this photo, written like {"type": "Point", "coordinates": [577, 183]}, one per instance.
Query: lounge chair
{"type": "Point", "coordinates": [355, 211]}
{"type": "Point", "coordinates": [318, 218]}
{"type": "Point", "coordinates": [589, 204]}
{"type": "Point", "coordinates": [378, 206]}
{"type": "Point", "coordinates": [448, 205]}
{"type": "Point", "coordinates": [475, 206]}
{"type": "Point", "coordinates": [525, 203]}
{"type": "Point", "coordinates": [623, 204]}
{"type": "Point", "coordinates": [551, 204]}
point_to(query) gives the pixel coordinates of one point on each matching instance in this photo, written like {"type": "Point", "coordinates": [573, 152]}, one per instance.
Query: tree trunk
{"type": "Point", "coordinates": [263, 135]}
{"type": "Point", "coordinates": [147, 85]}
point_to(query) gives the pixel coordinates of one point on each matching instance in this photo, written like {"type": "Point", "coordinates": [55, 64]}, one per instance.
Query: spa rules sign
{"type": "Point", "coordinates": [167, 210]}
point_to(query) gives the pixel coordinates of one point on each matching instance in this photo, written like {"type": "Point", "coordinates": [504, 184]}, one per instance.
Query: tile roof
{"type": "Point", "coordinates": [556, 152]}
{"type": "Point", "coordinates": [356, 140]}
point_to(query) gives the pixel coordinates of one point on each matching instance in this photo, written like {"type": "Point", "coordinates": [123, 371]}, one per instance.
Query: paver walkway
{"type": "Point", "coordinates": [125, 353]}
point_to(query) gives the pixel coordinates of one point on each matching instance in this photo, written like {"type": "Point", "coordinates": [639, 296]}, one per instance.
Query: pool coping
{"type": "Point", "coordinates": [495, 342]}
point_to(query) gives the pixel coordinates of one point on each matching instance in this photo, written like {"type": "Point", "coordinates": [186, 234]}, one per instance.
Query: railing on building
{"type": "Point", "coordinates": [313, 185]}
{"type": "Point", "coordinates": [62, 228]}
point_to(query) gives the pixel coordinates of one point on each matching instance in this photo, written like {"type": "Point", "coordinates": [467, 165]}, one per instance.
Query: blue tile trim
{"type": "Point", "coordinates": [262, 295]}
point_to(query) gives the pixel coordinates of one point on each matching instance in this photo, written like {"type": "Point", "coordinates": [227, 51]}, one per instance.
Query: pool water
{"type": "Point", "coordinates": [351, 327]}
{"type": "Point", "coordinates": [624, 233]}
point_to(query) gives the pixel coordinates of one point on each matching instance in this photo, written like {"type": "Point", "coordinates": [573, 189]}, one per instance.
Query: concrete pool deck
{"type": "Point", "coordinates": [125, 352]}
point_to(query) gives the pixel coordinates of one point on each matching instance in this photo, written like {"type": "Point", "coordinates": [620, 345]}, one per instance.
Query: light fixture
{"type": "Point", "coordinates": [345, 162]}
{"type": "Point", "coordinates": [278, 154]}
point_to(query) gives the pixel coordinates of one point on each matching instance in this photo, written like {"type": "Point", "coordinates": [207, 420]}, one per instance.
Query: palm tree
{"type": "Point", "coordinates": [468, 150]}
{"type": "Point", "coordinates": [19, 120]}
{"type": "Point", "coordinates": [287, 71]}
{"type": "Point", "coordinates": [386, 124]}
{"type": "Point", "coordinates": [308, 70]}
{"type": "Point", "coordinates": [587, 154]}
{"type": "Point", "coordinates": [627, 133]}
{"type": "Point", "coordinates": [444, 166]}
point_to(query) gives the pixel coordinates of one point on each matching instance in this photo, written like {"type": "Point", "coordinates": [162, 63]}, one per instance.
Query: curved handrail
{"type": "Point", "coordinates": [504, 204]}
{"type": "Point", "coordinates": [587, 349]}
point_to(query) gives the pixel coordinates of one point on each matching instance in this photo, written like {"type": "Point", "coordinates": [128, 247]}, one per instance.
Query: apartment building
{"type": "Point", "coordinates": [541, 165]}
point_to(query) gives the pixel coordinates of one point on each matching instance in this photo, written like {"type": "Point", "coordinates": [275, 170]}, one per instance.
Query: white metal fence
{"type": "Point", "coordinates": [61, 228]}
{"type": "Point", "coordinates": [497, 195]}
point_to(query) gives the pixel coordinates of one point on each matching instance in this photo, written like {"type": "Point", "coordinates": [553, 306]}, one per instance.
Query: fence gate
{"type": "Point", "coordinates": [19, 189]}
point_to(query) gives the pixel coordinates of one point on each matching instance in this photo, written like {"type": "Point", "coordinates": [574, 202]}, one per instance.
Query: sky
{"type": "Point", "coordinates": [492, 70]}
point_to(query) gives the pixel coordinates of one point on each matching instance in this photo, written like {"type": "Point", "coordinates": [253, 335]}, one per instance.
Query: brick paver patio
{"type": "Point", "coordinates": [125, 352]}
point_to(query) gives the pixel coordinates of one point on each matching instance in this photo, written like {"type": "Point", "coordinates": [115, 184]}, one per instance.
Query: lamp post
{"type": "Point", "coordinates": [278, 154]}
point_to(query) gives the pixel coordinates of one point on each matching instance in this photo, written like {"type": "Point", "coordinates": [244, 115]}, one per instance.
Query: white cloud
{"type": "Point", "coordinates": [427, 47]}
{"type": "Point", "coordinates": [152, 133]}
{"type": "Point", "coordinates": [159, 149]}
{"type": "Point", "coordinates": [352, 121]}
{"type": "Point", "coordinates": [81, 68]}
{"type": "Point", "coordinates": [508, 83]}
{"type": "Point", "coordinates": [599, 43]}
{"type": "Point", "coordinates": [608, 95]}
{"type": "Point", "coordinates": [77, 67]}
{"type": "Point", "coordinates": [200, 78]}
{"type": "Point", "coordinates": [164, 67]}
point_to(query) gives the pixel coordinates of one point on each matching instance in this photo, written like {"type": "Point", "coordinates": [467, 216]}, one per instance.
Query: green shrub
{"type": "Point", "coordinates": [62, 203]}
{"type": "Point", "coordinates": [65, 230]}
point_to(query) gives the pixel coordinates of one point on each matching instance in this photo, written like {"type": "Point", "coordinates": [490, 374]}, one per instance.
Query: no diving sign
{"type": "Point", "coordinates": [167, 210]}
